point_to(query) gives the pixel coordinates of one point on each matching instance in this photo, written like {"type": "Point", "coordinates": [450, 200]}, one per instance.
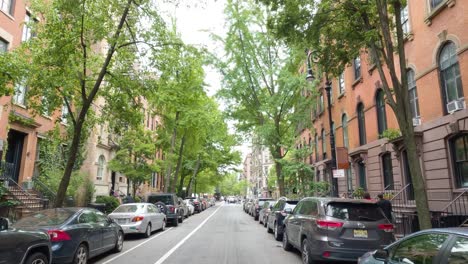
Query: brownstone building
{"type": "Point", "coordinates": [437, 59]}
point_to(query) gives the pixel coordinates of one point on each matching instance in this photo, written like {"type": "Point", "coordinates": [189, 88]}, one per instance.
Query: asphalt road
{"type": "Point", "coordinates": [223, 234]}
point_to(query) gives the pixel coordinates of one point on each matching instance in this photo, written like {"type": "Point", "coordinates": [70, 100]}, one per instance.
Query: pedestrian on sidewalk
{"type": "Point", "coordinates": [386, 206]}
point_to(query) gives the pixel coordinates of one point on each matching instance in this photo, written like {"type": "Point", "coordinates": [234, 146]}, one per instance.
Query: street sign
{"type": "Point", "coordinates": [338, 173]}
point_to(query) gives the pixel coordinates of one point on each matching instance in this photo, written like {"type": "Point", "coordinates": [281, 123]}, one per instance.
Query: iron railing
{"type": "Point", "coordinates": [6, 170]}
{"type": "Point", "coordinates": [454, 214]}
{"type": "Point", "coordinates": [47, 196]}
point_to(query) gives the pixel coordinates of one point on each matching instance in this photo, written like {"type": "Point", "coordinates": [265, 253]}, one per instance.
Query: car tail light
{"type": "Point", "coordinates": [58, 235]}
{"type": "Point", "coordinates": [331, 225]}
{"type": "Point", "coordinates": [172, 209]}
{"type": "Point", "coordinates": [326, 254]}
{"type": "Point", "coordinates": [195, 202]}
{"type": "Point", "coordinates": [137, 218]}
{"type": "Point", "coordinates": [386, 227]}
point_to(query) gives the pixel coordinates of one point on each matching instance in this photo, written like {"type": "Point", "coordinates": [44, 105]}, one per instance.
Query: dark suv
{"type": "Point", "coordinates": [23, 246]}
{"type": "Point", "coordinates": [277, 215]}
{"type": "Point", "coordinates": [257, 206]}
{"type": "Point", "coordinates": [336, 229]}
{"type": "Point", "coordinates": [169, 204]}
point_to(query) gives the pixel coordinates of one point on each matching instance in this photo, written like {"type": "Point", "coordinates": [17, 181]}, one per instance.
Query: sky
{"type": "Point", "coordinates": [196, 21]}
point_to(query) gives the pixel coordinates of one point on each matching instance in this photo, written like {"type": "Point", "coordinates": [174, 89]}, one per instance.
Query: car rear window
{"type": "Point", "coordinates": [128, 208]}
{"type": "Point", "coordinates": [354, 211]}
{"type": "Point", "coordinates": [50, 217]}
{"type": "Point", "coordinates": [291, 204]}
{"type": "Point", "coordinates": [166, 199]}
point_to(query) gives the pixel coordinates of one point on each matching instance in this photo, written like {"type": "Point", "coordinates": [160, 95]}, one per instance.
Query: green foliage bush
{"type": "Point", "coordinates": [391, 134]}
{"type": "Point", "coordinates": [110, 201]}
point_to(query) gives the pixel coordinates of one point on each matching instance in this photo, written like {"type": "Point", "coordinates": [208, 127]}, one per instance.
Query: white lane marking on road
{"type": "Point", "coordinates": [142, 243]}
{"type": "Point", "coordinates": [169, 253]}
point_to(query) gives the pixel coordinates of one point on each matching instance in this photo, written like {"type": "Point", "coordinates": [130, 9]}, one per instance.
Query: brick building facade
{"type": "Point", "coordinates": [437, 59]}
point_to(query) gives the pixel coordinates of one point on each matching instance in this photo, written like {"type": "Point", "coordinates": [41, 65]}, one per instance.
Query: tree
{"type": "Point", "coordinates": [135, 156]}
{"type": "Point", "coordinates": [262, 85]}
{"type": "Point", "coordinates": [338, 31]}
{"type": "Point", "coordinates": [73, 60]}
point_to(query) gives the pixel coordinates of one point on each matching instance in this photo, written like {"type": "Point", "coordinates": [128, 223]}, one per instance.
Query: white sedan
{"type": "Point", "coordinates": [191, 208]}
{"type": "Point", "coordinates": [142, 218]}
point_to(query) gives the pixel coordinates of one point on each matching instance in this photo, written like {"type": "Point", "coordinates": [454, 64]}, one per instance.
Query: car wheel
{"type": "Point", "coordinates": [305, 253]}
{"type": "Point", "coordinates": [163, 227]}
{"type": "Point", "coordinates": [268, 228]}
{"type": "Point", "coordinates": [286, 245]}
{"type": "Point", "coordinates": [181, 219]}
{"type": "Point", "coordinates": [147, 231]}
{"type": "Point", "coordinates": [176, 222]}
{"type": "Point", "coordinates": [256, 217]}
{"type": "Point", "coordinates": [278, 235]}
{"type": "Point", "coordinates": [37, 258]}
{"type": "Point", "coordinates": [264, 222]}
{"type": "Point", "coordinates": [119, 243]}
{"type": "Point", "coordinates": [81, 255]}
{"type": "Point", "coordinates": [260, 221]}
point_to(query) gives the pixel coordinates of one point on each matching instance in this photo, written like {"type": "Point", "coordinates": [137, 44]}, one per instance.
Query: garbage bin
{"type": "Point", "coordinates": [45, 203]}
{"type": "Point", "coordinates": [98, 206]}
{"type": "Point", "coordinates": [70, 202]}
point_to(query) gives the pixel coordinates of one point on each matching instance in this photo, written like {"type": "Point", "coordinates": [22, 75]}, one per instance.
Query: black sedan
{"type": "Point", "coordinates": [76, 234]}
{"type": "Point", "coordinates": [23, 246]}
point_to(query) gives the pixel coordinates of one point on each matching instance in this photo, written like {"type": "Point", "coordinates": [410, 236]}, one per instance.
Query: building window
{"type": "Point", "coordinates": [64, 115]}
{"type": "Point", "coordinates": [324, 144]}
{"type": "Point", "coordinates": [361, 124]}
{"type": "Point", "coordinates": [450, 74]}
{"type": "Point", "coordinates": [100, 169]}
{"type": "Point", "coordinates": [460, 159]}
{"type": "Point", "coordinates": [387, 171]}
{"type": "Point", "coordinates": [7, 6]}
{"type": "Point", "coordinates": [27, 30]}
{"type": "Point", "coordinates": [435, 3]}
{"type": "Point", "coordinates": [413, 94]}
{"type": "Point", "coordinates": [344, 126]}
{"type": "Point", "coordinates": [19, 97]}
{"type": "Point", "coordinates": [381, 115]}
{"type": "Point", "coordinates": [316, 148]}
{"type": "Point", "coordinates": [357, 68]}
{"type": "Point", "coordinates": [362, 175]}
{"type": "Point", "coordinates": [341, 83]}
{"type": "Point", "coordinates": [405, 26]}
{"type": "Point", "coordinates": [320, 103]}
{"type": "Point", "coordinates": [3, 45]}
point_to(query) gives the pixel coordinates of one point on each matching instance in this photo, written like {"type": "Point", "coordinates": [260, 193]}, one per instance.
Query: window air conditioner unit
{"type": "Point", "coordinates": [455, 105]}
{"type": "Point", "coordinates": [416, 121]}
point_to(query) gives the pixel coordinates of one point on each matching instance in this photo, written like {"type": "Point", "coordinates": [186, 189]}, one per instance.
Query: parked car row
{"type": "Point", "coordinates": [74, 235]}
{"type": "Point", "coordinates": [324, 229]}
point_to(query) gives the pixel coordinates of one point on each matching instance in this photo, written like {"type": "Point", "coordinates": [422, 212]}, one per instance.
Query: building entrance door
{"type": "Point", "coordinates": [14, 153]}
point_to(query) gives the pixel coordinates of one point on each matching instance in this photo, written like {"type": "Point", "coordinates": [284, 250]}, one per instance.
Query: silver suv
{"type": "Point", "coordinates": [336, 229]}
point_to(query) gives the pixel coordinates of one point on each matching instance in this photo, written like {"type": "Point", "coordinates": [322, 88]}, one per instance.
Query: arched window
{"type": "Point", "coordinates": [100, 169]}
{"type": "Point", "coordinates": [450, 77]}
{"type": "Point", "coordinates": [324, 144]}
{"type": "Point", "coordinates": [460, 159]}
{"type": "Point", "coordinates": [413, 94]}
{"type": "Point", "coordinates": [387, 169]}
{"type": "Point", "coordinates": [344, 125]}
{"type": "Point", "coordinates": [361, 124]}
{"type": "Point", "coordinates": [381, 115]}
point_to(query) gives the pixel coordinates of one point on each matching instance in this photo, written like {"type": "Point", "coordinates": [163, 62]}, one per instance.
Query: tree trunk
{"type": "Point", "coordinates": [74, 148]}
{"type": "Point", "coordinates": [167, 180]}
{"type": "Point", "coordinates": [279, 177]}
{"type": "Point", "coordinates": [179, 164]}
{"type": "Point", "coordinates": [194, 175]}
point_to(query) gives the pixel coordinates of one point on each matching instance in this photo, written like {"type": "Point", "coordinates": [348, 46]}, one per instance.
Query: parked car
{"type": "Point", "coordinates": [252, 207]}
{"type": "Point", "coordinates": [231, 199]}
{"type": "Point", "coordinates": [265, 211]}
{"type": "Point", "coordinates": [76, 234]}
{"type": "Point", "coordinates": [204, 204]}
{"type": "Point", "coordinates": [141, 218]}
{"type": "Point", "coordinates": [277, 215]}
{"type": "Point", "coordinates": [247, 205]}
{"type": "Point", "coordinates": [23, 246]}
{"type": "Point", "coordinates": [196, 203]}
{"type": "Point", "coordinates": [336, 229]}
{"type": "Point", "coordinates": [183, 207]}
{"type": "Point", "coordinates": [168, 203]}
{"type": "Point", "coordinates": [257, 206]}
{"type": "Point", "coordinates": [190, 206]}
{"type": "Point", "coordinates": [441, 246]}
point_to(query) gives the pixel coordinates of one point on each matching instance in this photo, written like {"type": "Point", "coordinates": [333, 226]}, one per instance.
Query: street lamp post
{"type": "Point", "coordinates": [310, 77]}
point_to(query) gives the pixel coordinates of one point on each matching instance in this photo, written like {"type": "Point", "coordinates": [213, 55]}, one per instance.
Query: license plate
{"type": "Point", "coordinates": [360, 233]}
{"type": "Point", "coordinates": [121, 221]}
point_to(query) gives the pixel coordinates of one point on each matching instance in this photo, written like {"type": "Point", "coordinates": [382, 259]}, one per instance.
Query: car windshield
{"type": "Point", "coordinates": [51, 217]}
{"type": "Point", "coordinates": [354, 211]}
{"type": "Point", "coordinates": [128, 208]}
{"type": "Point", "coordinates": [166, 199]}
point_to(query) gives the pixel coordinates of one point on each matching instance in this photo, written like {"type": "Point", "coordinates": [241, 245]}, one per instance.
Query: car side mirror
{"type": "Point", "coordinates": [3, 223]}
{"type": "Point", "coordinates": [110, 220]}
{"type": "Point", "coordinates": [381, 254]}
{"type": "Point", "coordinates": [288, 210]}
